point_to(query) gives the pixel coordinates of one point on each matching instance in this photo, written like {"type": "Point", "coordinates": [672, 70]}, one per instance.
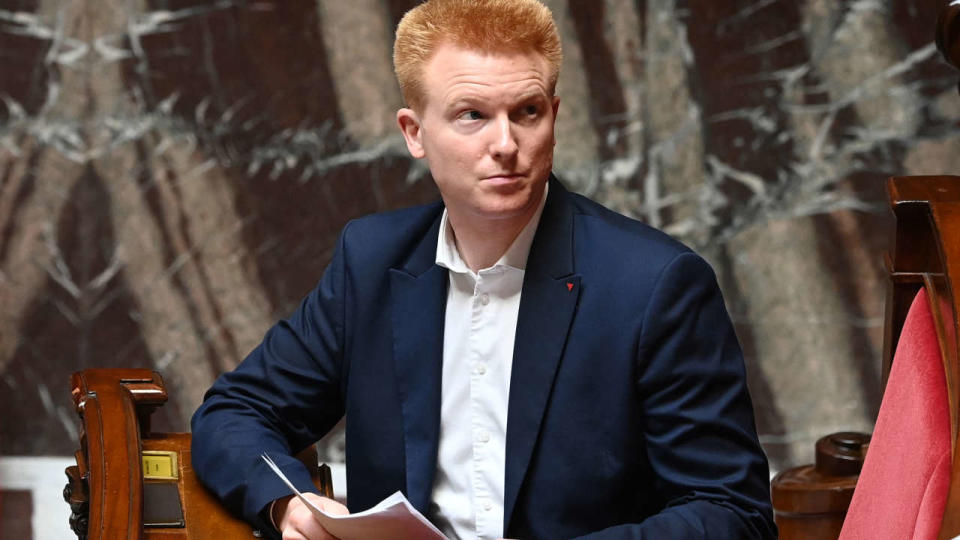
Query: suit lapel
{"type": "Point", "coordinates": [547, 305]}
{"type": "Point", "coordinates": [418, 294]}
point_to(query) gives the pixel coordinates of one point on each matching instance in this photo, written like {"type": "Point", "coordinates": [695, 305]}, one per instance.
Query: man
{"type": "Point", "coordinates": [518, 360]}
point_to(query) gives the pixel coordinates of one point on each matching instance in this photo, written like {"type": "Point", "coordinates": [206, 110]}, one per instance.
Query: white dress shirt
{"type": "Point", "coordinates": [478, 337]}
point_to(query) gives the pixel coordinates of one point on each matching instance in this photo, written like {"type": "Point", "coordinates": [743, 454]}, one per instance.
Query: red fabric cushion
{"type": "Point", "coordinates": [902, 490]}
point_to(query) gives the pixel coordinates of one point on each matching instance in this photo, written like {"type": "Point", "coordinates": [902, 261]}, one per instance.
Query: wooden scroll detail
{"type": "Point", "coordinates": [926, 253]}
{"type": "Point", "coordinates": [114, 406]}
{"type": "Point", "coordinates": [811, 501]}
{"type": "Point", "coordinates": [107, 489]}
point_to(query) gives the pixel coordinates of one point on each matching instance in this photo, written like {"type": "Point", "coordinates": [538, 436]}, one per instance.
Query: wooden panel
{"type": "Point", "coordinates": [16, 510]}
{"type": "Point", "coordinates": [203, 514]}
{"type": "Point", "coordinates": [947, 217]}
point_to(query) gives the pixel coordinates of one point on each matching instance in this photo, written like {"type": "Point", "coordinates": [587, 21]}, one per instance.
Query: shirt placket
{"type": "Point", "coordinates": [480, 422]}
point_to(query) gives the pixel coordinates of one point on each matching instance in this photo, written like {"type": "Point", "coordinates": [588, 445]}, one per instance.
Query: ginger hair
{"type": "Point", "coordinates": [497, 26]}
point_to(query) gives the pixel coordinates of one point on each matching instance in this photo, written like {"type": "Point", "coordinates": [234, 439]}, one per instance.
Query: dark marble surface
{"type": "Point", "coordinates": [173, 176]}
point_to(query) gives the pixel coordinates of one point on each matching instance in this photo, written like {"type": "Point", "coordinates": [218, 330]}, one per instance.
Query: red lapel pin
{"type": "Point", "coordinates": [569, 286]}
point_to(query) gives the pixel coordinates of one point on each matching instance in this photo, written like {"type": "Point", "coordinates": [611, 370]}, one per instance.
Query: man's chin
{"type": "Point", "coordinates": [504, 210]}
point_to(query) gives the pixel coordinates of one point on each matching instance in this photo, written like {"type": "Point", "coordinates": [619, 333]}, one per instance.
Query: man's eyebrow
{"type": "Point", "coordinates": [471, 99]}
{"type": "Point", "coordinates": [463, 100]}
{"type": "Point", "coordinates": [532, 95]}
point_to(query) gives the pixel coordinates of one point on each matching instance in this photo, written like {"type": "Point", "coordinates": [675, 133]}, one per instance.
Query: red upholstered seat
{"type": "Point", "coordinates": [902, 490]}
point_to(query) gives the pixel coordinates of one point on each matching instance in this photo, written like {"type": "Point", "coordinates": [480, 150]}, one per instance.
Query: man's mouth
{"type": "Point", "coordinates": [503, 176]}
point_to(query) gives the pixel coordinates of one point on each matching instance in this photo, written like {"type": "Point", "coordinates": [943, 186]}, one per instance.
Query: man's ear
{"type": "Point", "coordinates": [409, 124]}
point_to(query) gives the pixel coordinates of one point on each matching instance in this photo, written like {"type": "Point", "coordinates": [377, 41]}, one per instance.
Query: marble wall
{"type": "Point", "coordinates": [174, 174]}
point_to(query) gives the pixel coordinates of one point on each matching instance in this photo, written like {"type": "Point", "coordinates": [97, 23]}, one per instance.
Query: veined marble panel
{"type": "Point", "coordinates": [174, 175]}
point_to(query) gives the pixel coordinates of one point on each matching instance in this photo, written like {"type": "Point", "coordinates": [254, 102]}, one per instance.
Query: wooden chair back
{"type": "Point", "coordinates": [131, 483]}
{"type": "Point", "coordinates": [926, 253]}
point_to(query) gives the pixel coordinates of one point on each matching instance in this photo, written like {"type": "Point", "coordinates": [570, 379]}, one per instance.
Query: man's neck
{"type": "Point", "coordinates": [482, 243]}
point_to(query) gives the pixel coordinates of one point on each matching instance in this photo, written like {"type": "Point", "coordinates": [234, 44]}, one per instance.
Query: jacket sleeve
{"type": "Point", "coordinates": [284, 396]}
{"type": "Point", "coordinates": [701, 439]}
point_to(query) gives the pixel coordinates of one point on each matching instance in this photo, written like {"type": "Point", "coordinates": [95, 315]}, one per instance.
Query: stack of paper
{"type": "Point", "coordinates": [394, 518]}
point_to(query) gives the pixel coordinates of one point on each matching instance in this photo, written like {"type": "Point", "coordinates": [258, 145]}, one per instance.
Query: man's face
{"type": "Point", "coordinates": [486, 130]}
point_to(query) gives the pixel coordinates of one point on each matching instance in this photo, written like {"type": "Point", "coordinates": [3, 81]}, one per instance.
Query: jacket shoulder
{"type": "Point", "coordinates": [608, 234]}
{"type": "Point", "coordinates": [387, 238]}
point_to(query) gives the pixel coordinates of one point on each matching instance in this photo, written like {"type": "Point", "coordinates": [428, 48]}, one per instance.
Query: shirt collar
{"type": "Point", "coordinates": [448, 256]}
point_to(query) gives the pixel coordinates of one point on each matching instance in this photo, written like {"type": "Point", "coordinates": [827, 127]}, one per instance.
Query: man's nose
{"type": "Point", "coordinates": [504, 144]}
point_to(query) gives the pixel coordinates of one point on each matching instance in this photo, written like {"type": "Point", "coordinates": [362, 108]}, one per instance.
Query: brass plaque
{"type": "Point", "coordinates": [159, 465]}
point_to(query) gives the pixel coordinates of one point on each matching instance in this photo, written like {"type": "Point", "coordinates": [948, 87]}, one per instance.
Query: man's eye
{"type": "Point", "coordinates": [531, 110]}
{"type": "Point", "coordinates": [471, 115]}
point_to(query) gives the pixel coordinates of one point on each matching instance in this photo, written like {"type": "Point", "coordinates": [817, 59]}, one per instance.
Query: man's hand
{"type": "Point", "coordinates": [296, 522]}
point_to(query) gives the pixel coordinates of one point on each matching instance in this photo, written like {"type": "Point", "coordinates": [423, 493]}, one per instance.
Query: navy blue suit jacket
{"type": "Point", "coordinates": [628, 415]}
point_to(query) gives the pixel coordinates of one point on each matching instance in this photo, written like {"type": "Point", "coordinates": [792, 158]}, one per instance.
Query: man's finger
{"type": "Point", "coordinates": [332, 507]}
{"type": "Point", "coordinates": [297, 521]}
{"type": "Point", "coordinates": [307, 528]}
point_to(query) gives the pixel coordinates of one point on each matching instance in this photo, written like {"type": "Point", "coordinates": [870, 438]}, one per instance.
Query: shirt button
{"type": "Point", "coordinates": [484, 436]}
{"type": "Point", "coordinates": [484, 298]}
{"type": "Point", "coordinates": [481, 369]}
{"type": "Point", "coordinates": [487, 506]}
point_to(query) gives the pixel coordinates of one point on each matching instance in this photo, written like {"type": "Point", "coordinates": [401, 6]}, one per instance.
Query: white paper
{"type": "Point", "coordinates": [393, 518]}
